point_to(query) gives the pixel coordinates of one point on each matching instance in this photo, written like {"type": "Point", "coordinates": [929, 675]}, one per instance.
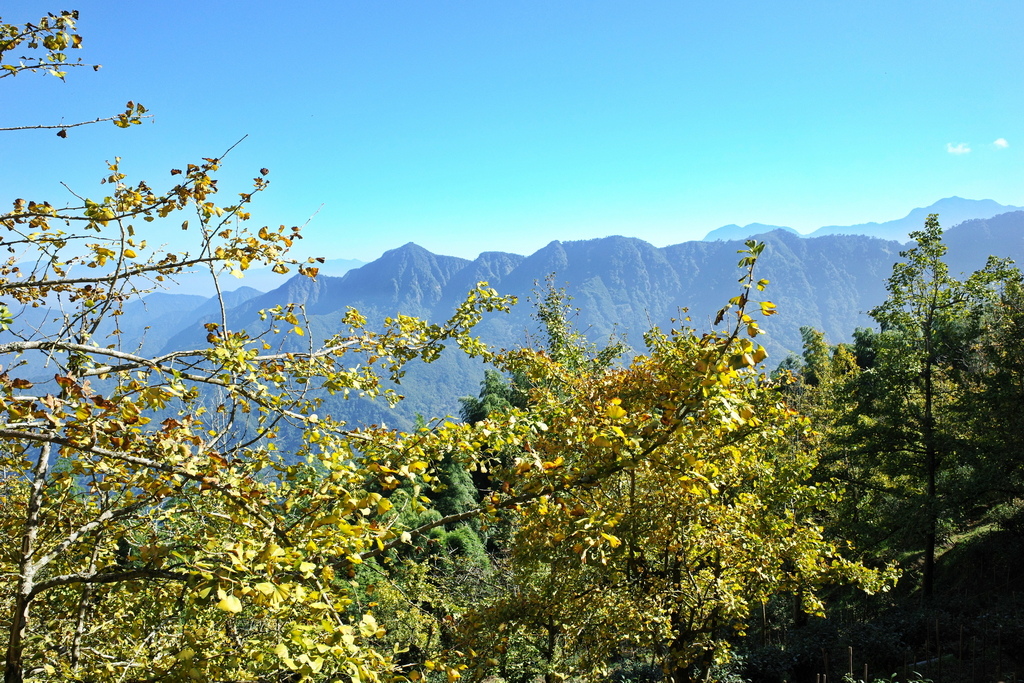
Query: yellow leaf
{"type": "Point", "coordinates": [613, 541]}
{"type": "Point", "coordinates": [266, 588]}
{"type": "Point", "coordinates": [615, 411]}
{"type": "Point", "coordinates": [229, 603]}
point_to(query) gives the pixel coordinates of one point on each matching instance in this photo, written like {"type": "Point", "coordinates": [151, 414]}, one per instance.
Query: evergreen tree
{"type": "Point", "coordinates": [902, 443]}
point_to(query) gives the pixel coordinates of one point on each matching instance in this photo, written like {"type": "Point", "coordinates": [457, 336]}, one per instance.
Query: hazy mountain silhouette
{"type": "Point", "coordinates": [952, 211]}
{"type": "Point", "coordinates": [262, 279]}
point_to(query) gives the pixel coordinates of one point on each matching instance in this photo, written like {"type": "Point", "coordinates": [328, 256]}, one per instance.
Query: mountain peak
{"type": "Point", "coordinates": [733, 232]}
{"type": "Point", "coordinates": [407, 248]}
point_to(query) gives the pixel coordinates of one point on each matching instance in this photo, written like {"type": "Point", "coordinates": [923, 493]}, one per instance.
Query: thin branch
{"type": "Point", "coordinates": [136, 362]}
{"type": "Point", "coordinates": [67, 125]}
{"type": "Point", "coordinates": [151, 464]}
{"type": "Point", "coordinates": [108, 577]}
{"type": "Point", "coordinates": [141, 270]}
{"type": "Point", "coordinates": [105, 516]}
{"type": "Point", "coordinates": [583, 481]}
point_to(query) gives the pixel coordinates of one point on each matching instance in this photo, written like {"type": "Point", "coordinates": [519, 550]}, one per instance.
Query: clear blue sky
{"type": "Point", "coordinates": [472, 126]}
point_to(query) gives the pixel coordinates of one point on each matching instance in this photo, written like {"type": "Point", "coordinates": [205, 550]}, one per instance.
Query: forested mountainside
{"type": "Point", "coordinates": [622, 286]}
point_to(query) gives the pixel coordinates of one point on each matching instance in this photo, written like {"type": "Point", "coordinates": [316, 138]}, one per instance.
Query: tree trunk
{"type": "Point", "coordinates": [83, 611]}
{"type": "Point", "coordinates": [549, 651]}
{"type": "Point", "coordinates": [931, 465]}
{"type": "Point", "coordinates": [14, 661]}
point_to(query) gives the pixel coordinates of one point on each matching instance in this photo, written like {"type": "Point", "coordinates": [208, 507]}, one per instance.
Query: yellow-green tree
{"type": "Point", "coordinates": [673, 498]}
{"type": "Point", "coordinates": [154, 528]}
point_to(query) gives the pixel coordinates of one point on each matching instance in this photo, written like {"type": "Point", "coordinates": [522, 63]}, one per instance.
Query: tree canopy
{"type": "Point", "coordinates": [160, 532]}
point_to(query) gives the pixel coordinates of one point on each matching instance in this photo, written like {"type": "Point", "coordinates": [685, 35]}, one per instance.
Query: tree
{"type": "Point", "coordinates": [674, 498]}
{"type": "Point", "coordinates": [825, 384]}
{"type": "Point", "coordinates": [992, 380]}
{"type": "Point", "coordinates": [147, 492]}
{"type": "Point", "coordinates": [927, 325]}
{"type": "Point", "coordinates": [496, 395]}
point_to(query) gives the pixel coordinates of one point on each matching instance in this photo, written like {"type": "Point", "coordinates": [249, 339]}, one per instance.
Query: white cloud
{"type": "Point", "coordinates": [1001, 143]}
{"type": "Point", "coordinates": [959, 148]}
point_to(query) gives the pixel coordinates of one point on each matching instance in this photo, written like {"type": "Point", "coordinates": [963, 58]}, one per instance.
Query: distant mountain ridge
{"type": "Point", "coordinates": [952, 211]}
{"type": "Point", "coordinates": [621, 285]}
{"type": "Point", "coordinates": [262, 279]}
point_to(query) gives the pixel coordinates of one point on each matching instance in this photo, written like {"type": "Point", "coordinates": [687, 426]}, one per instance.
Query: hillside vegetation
{"type": "Point", "coordinates": [201, 506]}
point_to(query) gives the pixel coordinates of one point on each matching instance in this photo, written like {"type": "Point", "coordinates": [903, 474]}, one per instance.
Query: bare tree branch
{"type": "Point", "coordinates": [65, 126]}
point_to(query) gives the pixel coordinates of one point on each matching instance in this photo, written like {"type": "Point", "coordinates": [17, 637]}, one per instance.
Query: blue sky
{"type": "Point", "coordinates": [475, 126]}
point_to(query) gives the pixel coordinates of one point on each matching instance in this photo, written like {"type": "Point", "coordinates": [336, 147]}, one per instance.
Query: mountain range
{"type": "Point", "coordinates": [622, 286]}
{"type": "Point", "coordinates": [261, 279]}
{"type": "Point", "coordinates": [951, 210]}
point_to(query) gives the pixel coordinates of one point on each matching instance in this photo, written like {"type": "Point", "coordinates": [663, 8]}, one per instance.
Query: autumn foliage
{"type": "Point", "coordinates": [157, 531]}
